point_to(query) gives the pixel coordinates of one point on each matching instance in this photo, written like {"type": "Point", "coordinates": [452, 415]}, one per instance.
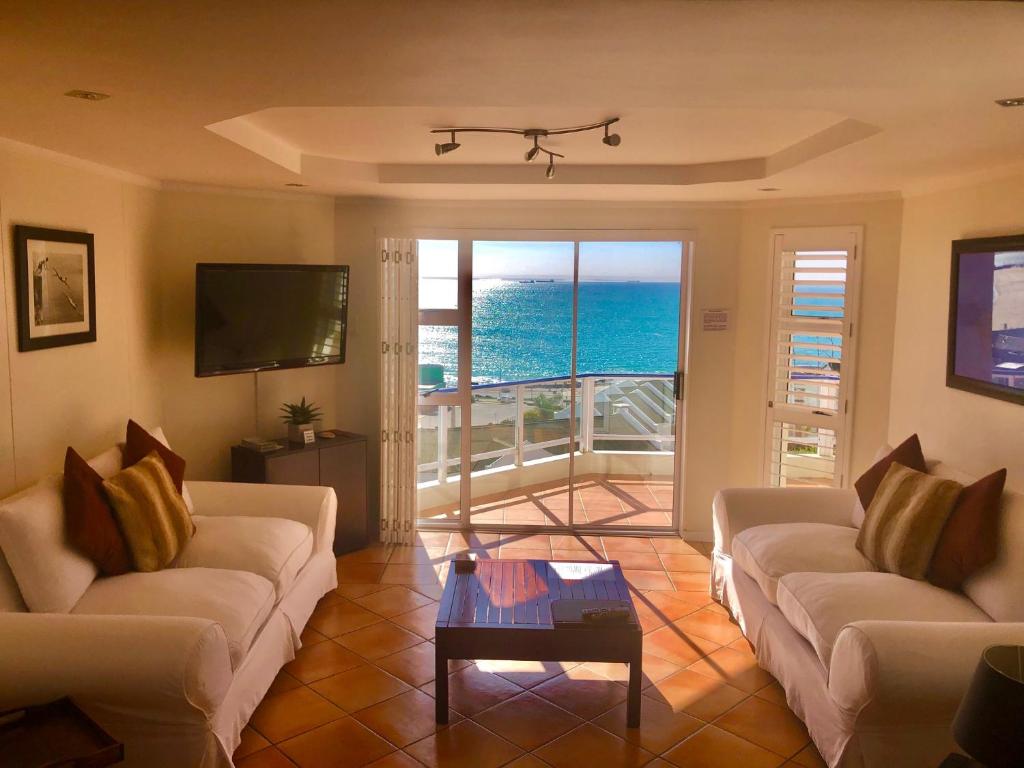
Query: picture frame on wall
{"type": "Point", "coordinates": [985, 347]}
{"type": "Point", "coordinates": [55, 273]}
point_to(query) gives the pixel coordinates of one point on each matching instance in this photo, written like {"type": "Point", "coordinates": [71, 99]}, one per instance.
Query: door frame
{"type": "Point", "coordinates": [462, 318]}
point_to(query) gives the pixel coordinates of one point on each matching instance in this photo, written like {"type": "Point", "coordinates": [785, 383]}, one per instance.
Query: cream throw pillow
{"type": "Point", "coordinates": [153, 516]}
{"type": "Point", "coordinates": [905, 519]}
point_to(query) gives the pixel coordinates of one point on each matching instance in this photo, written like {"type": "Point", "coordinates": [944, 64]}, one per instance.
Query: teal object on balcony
{"type": "Point", "coordinates": [431, 375]}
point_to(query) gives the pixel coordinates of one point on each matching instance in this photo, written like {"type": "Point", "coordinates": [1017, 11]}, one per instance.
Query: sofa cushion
{"type": "Point", "coordinates": [908, 453]}
{"type": "Point", "coordinates": [905, 520]}
{"type": "Point", "coordinates": [153, 516]}
{"type": "Point", "coordinates": [970, 540]}
{"type": "Point", "coordinates": [271, 547]}
{"type": "Point", "coordinates": [819, 605]}
{"type": "Point", "coordinates": [89, 519]}
{"type": "Point", "coordinates": [766, 553]}
{"type": "Point", "coordinates": [240, 602]}
{"type": "Point", "coordinates": [139, 443]}
{"type": "Point", "coordinates": [51, 574]}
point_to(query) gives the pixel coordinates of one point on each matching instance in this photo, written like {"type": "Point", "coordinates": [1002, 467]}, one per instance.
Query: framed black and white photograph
{"type": "Point", "coordinates": [56, 287]}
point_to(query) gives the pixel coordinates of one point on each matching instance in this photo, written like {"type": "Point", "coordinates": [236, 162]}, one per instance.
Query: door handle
{"type": "Point", "coordinates": [678, 382]}
{"type": "Point", "coordinates": [821, 413]}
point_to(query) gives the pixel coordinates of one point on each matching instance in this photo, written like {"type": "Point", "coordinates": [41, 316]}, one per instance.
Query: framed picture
{"type": "Point", "coordinates": [56, 287]}
{"type": "Point", "coordinates": [985, 349]}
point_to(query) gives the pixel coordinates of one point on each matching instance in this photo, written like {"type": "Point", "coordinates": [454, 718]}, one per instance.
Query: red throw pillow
{"type": "Point", "coordinates": [139, 444]}
{"type": "Point", "coordinates": [970, 539]}
{"type": "Point", "coordinates": [89, 519]}
{"type": "Point", "coordinates": [908, 453]}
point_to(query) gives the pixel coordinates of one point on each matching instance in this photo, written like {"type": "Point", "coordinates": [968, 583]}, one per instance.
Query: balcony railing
{"type": "Point", "coordinates": [518, 423]}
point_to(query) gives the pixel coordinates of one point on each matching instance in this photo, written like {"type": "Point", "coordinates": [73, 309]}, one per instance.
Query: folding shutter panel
{"type": "Point", "coordinates": [811, 356]}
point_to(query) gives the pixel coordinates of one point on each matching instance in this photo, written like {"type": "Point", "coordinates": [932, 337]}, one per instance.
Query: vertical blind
{"type": "Point", "coordinates": [398, 390]}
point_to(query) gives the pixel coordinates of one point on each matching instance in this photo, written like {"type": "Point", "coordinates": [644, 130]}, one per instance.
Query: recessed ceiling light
{"type": "Point", "coordinates": [87, 95]}
{"type": "Point", "coordinates": [769, 189]}
{"type": "Point", "coordinates": [1017, 102]}
{"type": "Point", "coordinates": [295, 184]}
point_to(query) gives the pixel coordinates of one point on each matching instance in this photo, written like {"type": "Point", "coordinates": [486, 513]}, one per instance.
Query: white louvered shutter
{"type": "Point", "coordinates": [811, 355]}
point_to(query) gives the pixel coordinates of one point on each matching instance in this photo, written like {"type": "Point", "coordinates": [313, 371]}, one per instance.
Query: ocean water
{"type": "Point", "coordinates": [523, 330]}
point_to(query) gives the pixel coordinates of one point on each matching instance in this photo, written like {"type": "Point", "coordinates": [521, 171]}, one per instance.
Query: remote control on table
{"type": "Point", "coordinates": [605, 615]}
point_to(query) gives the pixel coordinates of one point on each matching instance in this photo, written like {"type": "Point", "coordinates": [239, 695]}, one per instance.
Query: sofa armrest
{"type": "Point", "coordinates": [736, 509]}
{"type": "Point", "coordinates": [313, 505]}
{"type": "Point", "coordinates": [164, 667]}
{"type": "Point", "coordinates": [895, 673]}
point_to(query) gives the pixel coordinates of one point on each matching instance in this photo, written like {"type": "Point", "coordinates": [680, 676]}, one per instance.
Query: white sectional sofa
{"type": "Point", "coordinates": [875, 664]}
{"type": "Point", "coordinates": [172, 662]}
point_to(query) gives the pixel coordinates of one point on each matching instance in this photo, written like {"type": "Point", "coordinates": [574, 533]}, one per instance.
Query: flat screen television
{"type": "Point", "coordinates": [985, 352]}
{"type": "Point", "coordinates": [256, 317]}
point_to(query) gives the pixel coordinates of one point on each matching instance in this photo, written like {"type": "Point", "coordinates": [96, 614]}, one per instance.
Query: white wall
{"type": "Point", "coordinates": [203, 417]}
{"type": "Point", "coordinates": [731, 269]}
{"type": "Point", "coordinates": [976, 434]}
{"type": "Point", "coordinates": [80, 395]}
{"type": "Point", "coordinates": [147, 241]}
{"type": "Point", "coordinates": [879, 270]}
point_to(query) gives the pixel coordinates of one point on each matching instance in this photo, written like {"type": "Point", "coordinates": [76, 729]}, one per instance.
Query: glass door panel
{"type": "Point", "coordinates": [521, 383]}
{"type": "Point", "coordinates": [628, 348]}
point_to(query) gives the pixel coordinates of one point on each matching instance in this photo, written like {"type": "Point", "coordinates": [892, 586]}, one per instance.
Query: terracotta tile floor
{"type": "Point", "coordinates": [597, 500]}
{"type": "Point", "coordinates": [360, 691]}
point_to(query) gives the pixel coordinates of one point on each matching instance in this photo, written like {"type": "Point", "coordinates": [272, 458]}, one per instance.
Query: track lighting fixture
{"type": "Point", "coordinates": [531, 153]}
{"type": "Point", "coordinates": [610, 139]}
{"type": "Point", "coordinates": [444, 149]}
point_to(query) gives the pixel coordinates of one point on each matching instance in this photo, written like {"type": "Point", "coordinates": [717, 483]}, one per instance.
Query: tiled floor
{"type": "Point", "coordinates": [597, 500]}
{"type": "Point", "coordinates": [360, 691]}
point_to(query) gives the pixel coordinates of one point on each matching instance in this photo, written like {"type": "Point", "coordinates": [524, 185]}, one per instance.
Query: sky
{"type": "Point", "coordinates": [645, 262]}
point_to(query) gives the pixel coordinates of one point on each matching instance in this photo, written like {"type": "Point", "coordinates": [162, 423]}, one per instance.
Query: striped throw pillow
{"type": "Point", "coordinates": [153, 516]}
{"type": "Point", "coordinates": [905, 519]}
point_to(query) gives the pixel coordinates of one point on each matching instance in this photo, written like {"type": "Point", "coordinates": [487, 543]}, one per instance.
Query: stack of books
{"type": "Point", "coordinates": [261, 444]}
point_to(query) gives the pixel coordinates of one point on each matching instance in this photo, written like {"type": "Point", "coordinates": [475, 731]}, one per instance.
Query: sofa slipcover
{"type": "Point", "coordinates": [819, 605]}
{"type": "Point", "coordinates": [271, 547]}
{"type": "Point", "coordinates": [766, 553]}
{"type": "Point", "coordinates": [238, 601]}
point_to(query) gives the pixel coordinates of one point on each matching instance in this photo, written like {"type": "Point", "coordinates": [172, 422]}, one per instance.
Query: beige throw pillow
{"type": "Point", "coordinates": [905, 519]}
{"type": "Point", "coordinates": [153, 516]}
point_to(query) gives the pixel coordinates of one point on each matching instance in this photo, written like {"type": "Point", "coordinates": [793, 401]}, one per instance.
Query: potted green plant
{"type": "Point", "coordinates": [300, 417]}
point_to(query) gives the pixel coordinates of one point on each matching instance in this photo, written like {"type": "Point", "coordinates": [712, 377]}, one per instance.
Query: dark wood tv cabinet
{"type": "Point", "coordinates": [339, 463]}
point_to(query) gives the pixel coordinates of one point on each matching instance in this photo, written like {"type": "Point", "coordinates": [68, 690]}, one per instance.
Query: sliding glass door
{"type": "Point", "coordinates": [549, 395]}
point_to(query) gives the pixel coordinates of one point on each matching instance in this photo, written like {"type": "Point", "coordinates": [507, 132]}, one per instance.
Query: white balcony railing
{"type": "Point", "coordinates": [518, 423]}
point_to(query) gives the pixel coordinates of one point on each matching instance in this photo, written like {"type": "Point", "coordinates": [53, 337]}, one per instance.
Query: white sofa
{"type": "Point", "coordinates": [874, 664]}
{"type": "Point", "coordinates": [174, 662]}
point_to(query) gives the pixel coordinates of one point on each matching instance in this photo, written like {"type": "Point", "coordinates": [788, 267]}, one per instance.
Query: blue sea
{"type": "Point", "coordinates": [523, 330]}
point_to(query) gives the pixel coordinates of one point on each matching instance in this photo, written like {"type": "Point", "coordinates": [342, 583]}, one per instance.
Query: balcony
{"type": "Point", "coordinates": [624, 444]}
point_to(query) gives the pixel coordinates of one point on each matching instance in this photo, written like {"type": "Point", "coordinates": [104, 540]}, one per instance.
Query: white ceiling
{"type": "Point", "coordinates": [717, 99]}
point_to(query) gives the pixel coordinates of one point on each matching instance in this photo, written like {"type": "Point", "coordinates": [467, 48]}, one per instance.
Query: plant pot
{"type": "Point", "coordinates": [301, 434]}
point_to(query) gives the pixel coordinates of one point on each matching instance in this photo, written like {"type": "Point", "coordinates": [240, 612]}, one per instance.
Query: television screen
{"type": "Point", "coordinates": [252, 317]}
{"type": "Point", "coordinates": [986, 317]}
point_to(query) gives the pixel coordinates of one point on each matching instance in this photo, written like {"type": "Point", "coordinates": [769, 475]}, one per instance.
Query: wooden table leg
{"type": "Point", "coordinates": [440, 686]}
{"type": "Point", "coordinates": [633, 697]}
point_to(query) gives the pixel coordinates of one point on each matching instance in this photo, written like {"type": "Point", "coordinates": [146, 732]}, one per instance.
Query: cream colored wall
{"type": "Point", "coordinates": [80, 395]}
{"type": "Point", "coordinates": [203, 417]}
{"type": "Point", "coordinates": [974, 433]}
{"type": "Point", "coordinates": [731, 269]}
{"type": "Point", "coordinates": [879, 270]}
{"type": "Point", "coordinates": [147, 242]}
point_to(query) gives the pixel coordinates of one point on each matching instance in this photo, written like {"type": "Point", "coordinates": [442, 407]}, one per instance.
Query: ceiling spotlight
{"type": "Point", "coordinates": [1016, 102]}
{"type": "Point", "coordinates": [550, 172]}
{"type": "Point", "coordinates": [87, 95]}
{"type": "Point", "coordinates": [448, 146]}
{"type": "Point", "coordinates": [531, 153]}
{"type": "Point", "coordinates": [611, 139]}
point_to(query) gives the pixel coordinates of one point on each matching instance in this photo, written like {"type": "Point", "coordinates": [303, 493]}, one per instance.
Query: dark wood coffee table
{"type": "Point", "coordinates": [502, 610]}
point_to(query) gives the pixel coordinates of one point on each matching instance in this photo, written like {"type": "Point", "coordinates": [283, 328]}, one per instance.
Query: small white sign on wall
{"type": "Point", "coordinates": [715, 319]}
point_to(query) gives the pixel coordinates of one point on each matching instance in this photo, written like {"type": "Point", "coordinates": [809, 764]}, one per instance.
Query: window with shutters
{"type": "Point", "coordinates": [811, 355]}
